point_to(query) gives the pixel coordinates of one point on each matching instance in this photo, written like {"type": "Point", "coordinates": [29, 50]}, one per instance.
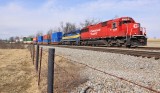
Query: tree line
{"type": "Point", "coordinates": [70, 27]}
{"type": "Point", "coordinates": [66, 27]}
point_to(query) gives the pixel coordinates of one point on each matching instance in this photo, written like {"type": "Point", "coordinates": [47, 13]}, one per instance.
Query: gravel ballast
{"type": "Point", "coordinates": [143, 71]}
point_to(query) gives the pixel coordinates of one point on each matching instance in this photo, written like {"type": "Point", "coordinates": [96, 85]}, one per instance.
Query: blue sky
{"type": "Point", "coordinates": [27, 17]}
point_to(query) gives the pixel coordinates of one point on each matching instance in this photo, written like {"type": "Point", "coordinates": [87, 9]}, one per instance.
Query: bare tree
{"type": "Point", "coordinates": [31, 36]}
{"type": "Point", "coordinates": [17, 37]}
{"type": "Point", "coordinates": [61, 28]}
{"type": "Point", "coordinates": [1, 41]}
{"type": "Point", "coordinates": [11, 39]}
{"type": "Point", "coordinates": [39, 33]}
{"type": "Point", "coordinates": [88, 22]}
{"type": "Point", "coordinates": [50, 32]}
{"type": "Point", "coordinates": [57, 29]}
{"type": "Point", "coordinates": [67, 27]}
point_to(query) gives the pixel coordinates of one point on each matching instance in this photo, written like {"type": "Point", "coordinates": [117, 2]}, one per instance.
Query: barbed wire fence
{"type": "Point", "coordinates": [43, 61]}
{"type": "Point", "coordinates": [65, 80]}
{"type": "Point", "coordinates": [54, 77]}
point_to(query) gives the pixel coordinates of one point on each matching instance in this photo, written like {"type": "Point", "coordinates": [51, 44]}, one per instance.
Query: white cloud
{"type": "Point", "coordinates": [19, 20]}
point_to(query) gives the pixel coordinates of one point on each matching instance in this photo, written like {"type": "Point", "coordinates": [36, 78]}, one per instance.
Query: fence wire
{"type": "Point", "coordinates": [67, 75]}
{"type": "Point", "coordinates": [63, 78]}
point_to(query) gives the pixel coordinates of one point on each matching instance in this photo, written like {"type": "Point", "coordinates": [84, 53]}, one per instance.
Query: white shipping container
{"type": "Point", "coordinates": [21, 40]}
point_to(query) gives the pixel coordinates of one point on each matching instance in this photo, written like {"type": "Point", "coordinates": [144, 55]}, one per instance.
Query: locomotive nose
{"type": "Point", "coordinates": [136, 25]}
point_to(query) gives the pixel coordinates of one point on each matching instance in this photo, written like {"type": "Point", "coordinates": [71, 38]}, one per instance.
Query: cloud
{"type": "Point", "coordinates": [18, 18]}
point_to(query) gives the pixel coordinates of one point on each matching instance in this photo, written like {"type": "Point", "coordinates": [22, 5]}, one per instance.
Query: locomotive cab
{"type": "Point", "coordinates": [134, 34]}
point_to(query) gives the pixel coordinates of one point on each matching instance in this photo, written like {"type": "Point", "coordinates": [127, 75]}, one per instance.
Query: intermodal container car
{"type": "Point", "coordinates": [56, 37]}
{"type": "Point", "coordinates": [35, 40]}
{"type": "Point", "coordinates": [27, 40]}
{"type": "Point", "coordinates": [24, 40]}
{"type": "Point", "coordinates": [46, 39]}
{"type": "Point", "coordinates": [40, 39]}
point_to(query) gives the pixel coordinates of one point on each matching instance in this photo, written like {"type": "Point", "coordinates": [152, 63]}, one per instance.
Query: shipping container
{"type": "Point", "coordinates": [47, 41]}
{"type": "Point", "coordinates": [40, 39]}
{"type": "Point", "coordinates": [35, 39]}
{"type": "Point", "coordinates": [46, 37]}
{"type": "Point", "coordinates": [27, 40]}
{"type": "Point", "coordinates": [56, 37]}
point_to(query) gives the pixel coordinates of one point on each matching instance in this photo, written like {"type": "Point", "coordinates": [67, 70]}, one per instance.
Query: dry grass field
{"type": "Point", "coordinates": [153, 40]}
{"type": "Point", "coordinates": [11, 45]}
{"type": "Point", "coordinates": [17, 73]}
{"type": "Point", "coordinates": [153, 43]}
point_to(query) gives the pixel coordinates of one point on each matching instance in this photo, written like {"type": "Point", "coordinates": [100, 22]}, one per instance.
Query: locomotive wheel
{"type": "Point", "coordinates": [93, 45]}
{"type": "Point", "coordinates": [110, 45]}
{"type": "Point", "coordinates": [128, 46]}
{"type": "Point", "coordinates": [119, 45]}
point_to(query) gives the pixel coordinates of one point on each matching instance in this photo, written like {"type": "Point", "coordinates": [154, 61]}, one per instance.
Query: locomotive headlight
{"type": "Point", "coordinates": [135, 26]}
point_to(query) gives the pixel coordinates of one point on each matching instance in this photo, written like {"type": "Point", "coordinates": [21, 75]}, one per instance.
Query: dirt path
{"type": "Point", "coordinates": [17, 73]}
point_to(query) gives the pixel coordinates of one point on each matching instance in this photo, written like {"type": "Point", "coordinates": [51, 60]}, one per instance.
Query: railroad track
{"type": "Point", "coordinates": [148, 48]}
{"type": "Point", "coordinates": [138, 48]}
{"type": "Point", "coordinates": [137, 53]}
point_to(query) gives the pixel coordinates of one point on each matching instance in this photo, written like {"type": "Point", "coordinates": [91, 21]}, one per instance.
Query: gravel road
{"type": "Point", "coordinates": [143, 71]}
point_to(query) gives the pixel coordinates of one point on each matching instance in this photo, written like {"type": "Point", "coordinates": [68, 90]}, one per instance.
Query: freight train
{"type": "Point", "coordinates": [122, 31]}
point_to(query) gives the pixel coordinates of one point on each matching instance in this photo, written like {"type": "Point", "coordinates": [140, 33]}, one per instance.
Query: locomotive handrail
{"type": "Point", "coordinates": [144, 33]}
{"type": "Point", "coordinates": [143, 30]}
{"type": "Point", "coordinates": [127, 31]}
{"type": "Point", "coordinates": [131, 32]}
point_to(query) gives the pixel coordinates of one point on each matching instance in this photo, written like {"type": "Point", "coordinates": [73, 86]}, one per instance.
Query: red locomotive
{"type": "Point", "coordinates": [116, 32]}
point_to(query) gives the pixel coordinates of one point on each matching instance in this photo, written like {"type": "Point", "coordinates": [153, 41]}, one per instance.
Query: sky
{"type": "Point", "coordinates": [27, 17]}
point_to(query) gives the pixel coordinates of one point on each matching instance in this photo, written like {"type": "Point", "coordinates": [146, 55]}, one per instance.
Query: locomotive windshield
{"type": "Point", "coordinates": [126, 20]}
